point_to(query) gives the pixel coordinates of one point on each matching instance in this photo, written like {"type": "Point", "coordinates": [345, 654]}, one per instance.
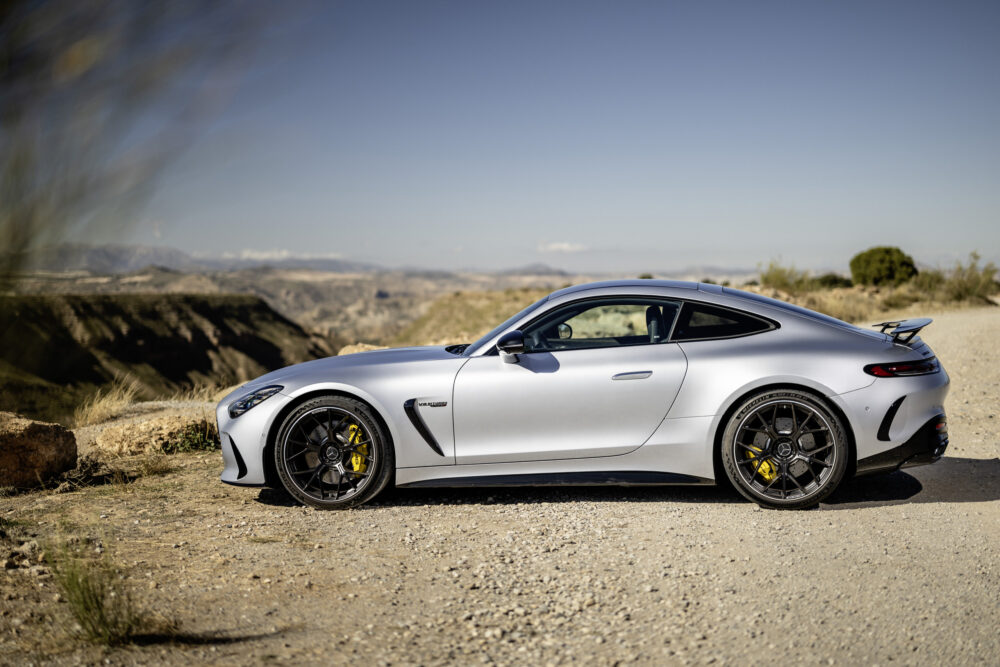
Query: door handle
{"type": "Point", "coordinates": [632, 375]}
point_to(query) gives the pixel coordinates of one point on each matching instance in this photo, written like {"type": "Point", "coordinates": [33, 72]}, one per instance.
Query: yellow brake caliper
{"type": "Point", "coordinates": [766, 469]}
{"type": "Point", "coordinates": [358, 457]}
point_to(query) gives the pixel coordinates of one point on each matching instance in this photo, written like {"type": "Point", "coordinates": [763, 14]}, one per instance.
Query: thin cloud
{"type": "Point", "coordinates": [272, 255]}
{"type": "Point", "coordinates": [563, 247]}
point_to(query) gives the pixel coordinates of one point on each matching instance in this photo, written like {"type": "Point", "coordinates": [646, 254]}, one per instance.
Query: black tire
{"type": "Point", "coordinates": [784, 449]}
{"type": "Point", "coordinates": [332, 453]}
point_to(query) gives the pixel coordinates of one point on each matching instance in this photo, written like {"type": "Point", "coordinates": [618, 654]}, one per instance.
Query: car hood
{"type": "Point", "coordinates": [330, 366]}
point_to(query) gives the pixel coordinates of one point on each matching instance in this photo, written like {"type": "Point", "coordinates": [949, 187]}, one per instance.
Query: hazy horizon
{"type": "Point", "coordinates": [599, 137]}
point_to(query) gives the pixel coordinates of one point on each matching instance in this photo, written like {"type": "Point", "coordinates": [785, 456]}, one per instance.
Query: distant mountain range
{"type": "Point", "coordinates": [115, 258]}
{"type": "Point", "coordinates": [121, 259]}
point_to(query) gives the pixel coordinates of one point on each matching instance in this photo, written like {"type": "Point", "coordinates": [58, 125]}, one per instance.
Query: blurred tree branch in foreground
{"type": "Point", "coordinates": [95, 98]}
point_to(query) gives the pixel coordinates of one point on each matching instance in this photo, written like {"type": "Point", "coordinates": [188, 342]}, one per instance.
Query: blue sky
{"type": "Point", "coordinates": [603, 136]}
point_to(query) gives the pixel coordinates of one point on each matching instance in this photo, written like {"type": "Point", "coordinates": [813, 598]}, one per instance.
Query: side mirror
{"type": "Point", "coordinates": [565, 331]}
{"type": "Point", "coordinates": [510, 345]}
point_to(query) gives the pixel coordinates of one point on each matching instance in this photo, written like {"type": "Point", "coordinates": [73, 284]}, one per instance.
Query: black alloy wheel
{"type": "Point", "coordinates": [784, 449]}
{"type": "Point", "coordinates": [331, 452]}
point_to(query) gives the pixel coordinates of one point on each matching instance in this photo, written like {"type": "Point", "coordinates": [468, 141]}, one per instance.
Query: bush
{"type": "Point", "coordinates": [831, 281]}
{"type": "Point", "coordinates": [971, 283]}
{"type": "Point", "coordinates": [98, 599]}
{"type": "Point", "coordinates": [882, 265]}
{"type": "Point", "coordinates": [784, 278]}
{"type": "Point", "coordinates": [200, 436]}
{"type": "Point", "coordinates": [928, 282]}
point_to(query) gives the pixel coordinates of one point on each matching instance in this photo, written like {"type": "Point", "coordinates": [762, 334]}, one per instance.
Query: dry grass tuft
{"type": "Point", "coordinates": [98, 599]}
{"type": "Point", "coordinates": [107, 403]}
{"type": "Point", "coordinates": [205, 393]}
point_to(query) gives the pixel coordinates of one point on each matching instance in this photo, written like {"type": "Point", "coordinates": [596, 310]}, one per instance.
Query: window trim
{"type": "Point", "coordinates": [772, 324]}
{"type": "Point", "coordinates": [610, 298]}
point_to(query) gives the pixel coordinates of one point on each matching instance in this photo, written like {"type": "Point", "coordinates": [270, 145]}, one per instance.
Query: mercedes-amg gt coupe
{"type": "Point", "coordinates": [634, 382]}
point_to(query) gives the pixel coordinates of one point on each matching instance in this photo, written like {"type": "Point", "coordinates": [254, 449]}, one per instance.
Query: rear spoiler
{"type": "Point", "coordinates": [905, 330]}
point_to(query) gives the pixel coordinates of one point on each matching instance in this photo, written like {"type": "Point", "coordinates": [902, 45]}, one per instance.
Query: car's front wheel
{"type": "Point", "coordinates": [784, 449]}
{"type": "Point", "coordinates": [331, 452]}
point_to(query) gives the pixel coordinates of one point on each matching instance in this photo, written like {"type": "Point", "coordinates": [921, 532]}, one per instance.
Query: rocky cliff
{"type": "Point", "coordinates": [55, 349]}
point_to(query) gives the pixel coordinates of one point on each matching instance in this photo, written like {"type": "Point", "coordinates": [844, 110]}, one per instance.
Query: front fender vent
{"type": "Point", "coordinates": [410, 408]}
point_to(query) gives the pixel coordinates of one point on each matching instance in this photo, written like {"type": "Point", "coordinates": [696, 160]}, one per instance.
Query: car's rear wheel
{"type": "Point", "coordinates": [784, 449]}
{"type": "Point", "coordinates": [331, 452]}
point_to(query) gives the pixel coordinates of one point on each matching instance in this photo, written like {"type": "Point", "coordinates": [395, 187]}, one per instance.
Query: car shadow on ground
{"type": "Point", "coordinates": [950, 480]}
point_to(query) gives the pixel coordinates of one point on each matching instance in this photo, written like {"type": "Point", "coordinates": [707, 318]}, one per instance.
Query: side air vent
{"type": "Point", "coordinates": [241, 465]}
{"type": "Point", "coordinates": [410, 408]}
{"type": "Point", "coordinates": [883, 429]}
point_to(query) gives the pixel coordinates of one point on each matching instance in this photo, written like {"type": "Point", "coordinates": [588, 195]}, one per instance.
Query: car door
{"type": "Point", "coordinates": [596, 379]}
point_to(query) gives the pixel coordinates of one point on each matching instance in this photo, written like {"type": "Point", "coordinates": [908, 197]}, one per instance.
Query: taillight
{"type": "Point", "coordinates": [903, 368]}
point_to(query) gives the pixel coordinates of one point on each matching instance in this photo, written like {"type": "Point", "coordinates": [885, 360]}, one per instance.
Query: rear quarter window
{"type": "Point", "coordinates": [701, 321]}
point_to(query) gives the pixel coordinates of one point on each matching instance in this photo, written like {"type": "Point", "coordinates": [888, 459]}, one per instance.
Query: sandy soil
{"type": "Point", "coordinates": [899, 569]}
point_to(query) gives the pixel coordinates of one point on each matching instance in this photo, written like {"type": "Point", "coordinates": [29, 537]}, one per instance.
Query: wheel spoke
{"type": "Point", "coordinates": [813, 459]}
{"type": "Point", "coordinates": [771, 483]}
{"type": "Point", "coordinates": [297, 454]}
{"type": "Point", "coordinates": [800, 431]}
{"type": "Point", "coordinates": [306, 434]}
{"type": "Point", "coordinates": [308, 444]}
{"type": "Point", "coordinates": [319, 468]}
{"type": "Point", "coordinates": [351, 448]}
{"type": "Point", "coordinates": [796, 481]}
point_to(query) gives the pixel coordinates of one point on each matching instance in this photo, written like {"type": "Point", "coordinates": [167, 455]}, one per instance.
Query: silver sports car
{"type": "Point", "coordinates": [621, 382]}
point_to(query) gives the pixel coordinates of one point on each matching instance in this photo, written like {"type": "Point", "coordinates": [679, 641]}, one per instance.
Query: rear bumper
{"type": "Point", "coordinates": [927, 445]}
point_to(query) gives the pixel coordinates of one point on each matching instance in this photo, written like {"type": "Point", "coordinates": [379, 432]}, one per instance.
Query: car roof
{"type": "Point", "coordinates": [637, 282]}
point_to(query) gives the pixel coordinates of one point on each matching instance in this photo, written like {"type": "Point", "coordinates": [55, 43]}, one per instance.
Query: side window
{"type": "Point", "coordinates": [604, 323]}
{"type": "Point", "coordinates": [699, 321]}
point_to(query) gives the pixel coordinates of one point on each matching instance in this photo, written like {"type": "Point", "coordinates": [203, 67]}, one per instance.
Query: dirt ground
{"type": "Point", "coordinates": [898, 569]}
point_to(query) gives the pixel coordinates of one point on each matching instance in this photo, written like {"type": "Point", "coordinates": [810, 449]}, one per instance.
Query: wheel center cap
{"type": "Point", "coordinates": [330, 454]}
{"type": "Point", "coordinates": [783, 450]}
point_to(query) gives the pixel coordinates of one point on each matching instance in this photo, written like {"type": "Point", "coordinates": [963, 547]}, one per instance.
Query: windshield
{"type": "Point", "coordinates": [475, 347]}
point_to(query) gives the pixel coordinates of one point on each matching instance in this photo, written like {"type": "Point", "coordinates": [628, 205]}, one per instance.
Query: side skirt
{"type": "Point", "coordinates": [593, 478]}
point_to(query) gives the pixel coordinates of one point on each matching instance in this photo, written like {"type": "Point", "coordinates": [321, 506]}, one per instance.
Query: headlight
{"type": "Point", "coordinates": [244, 403]}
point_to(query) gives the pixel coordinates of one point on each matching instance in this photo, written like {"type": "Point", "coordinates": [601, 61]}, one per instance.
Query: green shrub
{"type": "Point", "coordinates": [831, 280]}
{"type": "Point", "coordinates": [882, 265]}
{"type": "Point", "coordinates": [198, 437]}
{"type": "Point", "coordinates": [928, 282]}
{"type": "Point", "coordinates": [971, 283]}
{"type": "Point", "coordinates": [784, 278]}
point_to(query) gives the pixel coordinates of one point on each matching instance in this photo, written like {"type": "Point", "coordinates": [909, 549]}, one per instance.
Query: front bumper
{"type": "Point", "coordinates": [244, 440]}
{"type": "Point", "coordinates": [927, 445]}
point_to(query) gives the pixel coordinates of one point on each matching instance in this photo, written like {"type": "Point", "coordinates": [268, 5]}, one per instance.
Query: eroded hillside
{"type": "Point", "coordinates": [55, 349]}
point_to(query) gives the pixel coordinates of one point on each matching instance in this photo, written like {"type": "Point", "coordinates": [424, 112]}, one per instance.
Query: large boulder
{"type": "Point", "coordinates": [32, 452]}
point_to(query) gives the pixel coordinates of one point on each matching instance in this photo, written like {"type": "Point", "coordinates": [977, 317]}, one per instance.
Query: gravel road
{"type": "Point", "coordinates": [898, 569]}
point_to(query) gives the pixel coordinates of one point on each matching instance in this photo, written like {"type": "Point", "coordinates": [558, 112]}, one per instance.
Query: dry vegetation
{"type": "Point", "coordinates": [107, 403]}
{"type": "Point", "coordinates": [98, 598]}
{"type": "Point", "coordinates": [966, 284]}
{"type": "Point", "coordinates": [462, 317]}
